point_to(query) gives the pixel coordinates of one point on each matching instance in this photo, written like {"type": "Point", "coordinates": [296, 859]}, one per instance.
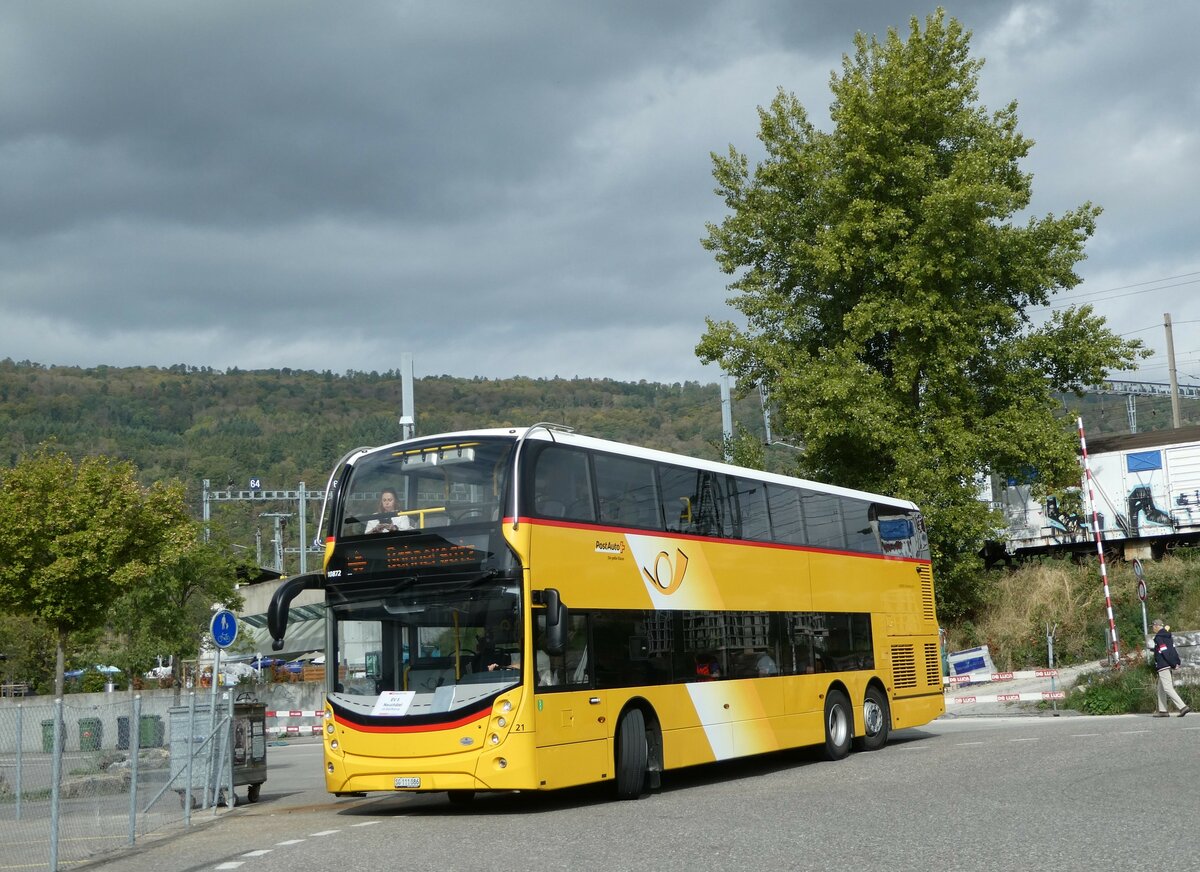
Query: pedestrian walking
{"type": "Point", "coordinates": [1166, 661]}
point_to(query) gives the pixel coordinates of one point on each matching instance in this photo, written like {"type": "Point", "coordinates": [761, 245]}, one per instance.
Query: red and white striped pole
{"type": "Point", "coordinates": [1115, 654]}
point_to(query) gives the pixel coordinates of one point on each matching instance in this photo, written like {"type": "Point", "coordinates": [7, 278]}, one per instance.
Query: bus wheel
{"type": "Point", "coordinates": [876, 721]}
{"type": "Point", "coordinates": [460, 797]}
{"type": "Point", "coordinates": [839, 725]}
{"type": "Point", "coordinates": [632, 755]}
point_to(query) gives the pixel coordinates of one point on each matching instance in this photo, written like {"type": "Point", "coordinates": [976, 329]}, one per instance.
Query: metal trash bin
{"type": "Point", "coordinates": [250, 747]}
{"type": "Point", "coordinates": [239, 749]}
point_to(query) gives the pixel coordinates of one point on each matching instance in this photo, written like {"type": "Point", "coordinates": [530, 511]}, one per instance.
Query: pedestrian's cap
{"type": "Point", "coordinates": [1158, 622]}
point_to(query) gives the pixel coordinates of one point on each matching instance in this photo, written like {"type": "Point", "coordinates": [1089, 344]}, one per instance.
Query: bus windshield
{"type": "Point", "coordinates": [438, 484]}
{"type": "Point", "coordinates": [427, 651]}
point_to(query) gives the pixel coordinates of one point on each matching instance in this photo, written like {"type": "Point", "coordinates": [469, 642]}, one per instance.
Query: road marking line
{"type": "Point", "coordinates": [233, 865]}
{"type": "Point", "coordinates": [323, 833]}
{"type": "Point", "coordinates": [1030, 739]}
{"type": "Point", "coordinates": [257, 853]}
{"type": "Point", "coordinates": [1084, 735]}
{"type": "Point", "coordinates": [1133, 732]}
{"type": "Point", "coordinates": [964, 744]}
{"type": "Point", "coordinates": [366, 824]}
{"type": "Point", "coordinates": [290, 842]}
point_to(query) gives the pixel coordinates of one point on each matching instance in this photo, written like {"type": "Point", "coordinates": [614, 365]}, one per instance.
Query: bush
{"type": "Point", "coordinates": [1132, 690]}
{"type": "Point", "coordinates": [1114, 691]}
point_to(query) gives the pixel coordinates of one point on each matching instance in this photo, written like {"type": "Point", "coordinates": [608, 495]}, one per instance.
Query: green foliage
{"type": "Point", "coordinates": [885, 290]}
{"type": "Point", "coordinates": [744, 449]}
{"type": "Point", "coordinates": [1114, 691]}
{"type": "Point", "coordinates": [74, 536]}
{"type": "Point", "coordinates": [170, 612]}
{"type": "Point", "coordinates": [1133, 689]}
{"type": "Point", "coordinates": [93, 681]}
{"type": "Point", "coordinates": [29, 646]}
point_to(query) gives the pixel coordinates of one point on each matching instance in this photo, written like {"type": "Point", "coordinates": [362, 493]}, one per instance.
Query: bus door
{"type": "Point", "coordinates": [570, 716]}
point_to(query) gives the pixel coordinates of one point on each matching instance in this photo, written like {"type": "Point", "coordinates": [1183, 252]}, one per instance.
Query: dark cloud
{"type": "Point", "coordinates": [498, 188]}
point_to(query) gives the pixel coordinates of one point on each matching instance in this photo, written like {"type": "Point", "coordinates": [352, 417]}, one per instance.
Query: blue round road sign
{"type": "Point", "coordinates": [224, 628]}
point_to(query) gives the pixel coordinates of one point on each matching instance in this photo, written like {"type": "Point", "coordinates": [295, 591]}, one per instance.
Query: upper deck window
{"type": "Point", "coordinates": [563, 485]}
{"type": "Point", "coordinates": [416, 487]}
{"type": "Point", "coordinates": [628, 496]}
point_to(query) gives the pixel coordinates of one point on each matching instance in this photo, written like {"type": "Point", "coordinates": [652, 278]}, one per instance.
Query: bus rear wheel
{"type": "Point", "coordinates": [839, 725]}
{"type": "Point", "coordinates": [877, 721]}
{"type": "Point", "coordinates": [632, 755]}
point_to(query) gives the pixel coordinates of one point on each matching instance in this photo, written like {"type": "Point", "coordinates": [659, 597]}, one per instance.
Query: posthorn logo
{"type": "Point", "coordinates": [664, 573]}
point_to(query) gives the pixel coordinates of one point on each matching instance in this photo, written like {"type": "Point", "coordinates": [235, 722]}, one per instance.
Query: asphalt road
{"type": "Point", "coordinates": [998, 793]}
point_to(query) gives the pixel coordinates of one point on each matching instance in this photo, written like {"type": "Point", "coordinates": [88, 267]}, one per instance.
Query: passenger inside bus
{"type": "Point", "coordinates": [708, 668]}
{"type": "Point", "coordinates": [546, 676]}
{"type": "Point", "coordinates": [388, 507]}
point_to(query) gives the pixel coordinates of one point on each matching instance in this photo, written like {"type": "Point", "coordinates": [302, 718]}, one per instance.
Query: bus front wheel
{"type": "Point", "coordinates": [632, 755]}
{"type": "Point", "coordinates": [839, 725]}
{"type": "Point", "coordinates": [876, 721]}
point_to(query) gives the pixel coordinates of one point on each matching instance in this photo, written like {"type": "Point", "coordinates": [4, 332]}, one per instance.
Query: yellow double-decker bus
{"type": "Point", "coordinates": [533, 609]}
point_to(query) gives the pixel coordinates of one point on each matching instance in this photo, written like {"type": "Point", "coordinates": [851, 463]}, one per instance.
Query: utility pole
{"type": "Point", "coordinates": [278, 540]}
{"type": "Point", "coordinates": [766, 410]}
{"type": "Point", "coordinates": [1175, 417]}
{"type": "Point", "coordinates": [408, 420]}
{"type": "Point", "coordinates": [726, 417]}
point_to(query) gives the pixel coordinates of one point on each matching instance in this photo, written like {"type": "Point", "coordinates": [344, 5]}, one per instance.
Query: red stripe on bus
{"type": "Point", "coordinates": [692, 537]}
{"type": "Point", "coordinates": [416, 728]}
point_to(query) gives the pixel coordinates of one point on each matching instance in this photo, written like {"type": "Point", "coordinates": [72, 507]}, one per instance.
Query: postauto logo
{"type": "Point", "coordinates": [665, 573]}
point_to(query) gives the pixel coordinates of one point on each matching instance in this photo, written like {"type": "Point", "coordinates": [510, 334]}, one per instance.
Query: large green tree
{"type": "Point", "coordinates": [171, 611]}
{"type": "Point", "coordinates": [75, 536]}
{"type": "Point", "coordinates": [886, 288]}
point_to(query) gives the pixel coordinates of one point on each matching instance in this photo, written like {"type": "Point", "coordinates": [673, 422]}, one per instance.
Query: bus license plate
{"type": "Point", "coordinates": [408, 781]}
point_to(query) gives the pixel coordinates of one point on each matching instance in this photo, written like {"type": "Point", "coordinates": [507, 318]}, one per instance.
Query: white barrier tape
{"type": "Point", "coordinates": [1037, 696]}
{"type": "Point", "coordinates": [984, 677]}
{"type": "Point", "coordinates": [309, 730]}
{"type": "Point", "coordinates": [295, 729]}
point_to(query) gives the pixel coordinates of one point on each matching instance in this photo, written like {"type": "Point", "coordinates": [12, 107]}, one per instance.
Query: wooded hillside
{"type": "Point", "coordinates": [286, 426]}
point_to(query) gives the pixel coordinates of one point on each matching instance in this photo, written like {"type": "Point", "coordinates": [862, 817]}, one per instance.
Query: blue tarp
{"type": "Point", "coordinates": [1143, 461]}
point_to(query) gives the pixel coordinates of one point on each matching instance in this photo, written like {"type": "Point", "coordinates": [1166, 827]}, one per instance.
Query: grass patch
{"type": "Point", "coordinates": [1133, 690]}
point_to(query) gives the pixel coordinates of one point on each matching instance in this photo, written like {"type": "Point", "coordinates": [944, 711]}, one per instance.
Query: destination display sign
{"type": "Point", "coordinates": [431, 552]}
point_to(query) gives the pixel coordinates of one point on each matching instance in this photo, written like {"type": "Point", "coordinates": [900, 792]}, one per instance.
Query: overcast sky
{"type": "Point", "coordinates": [507, 188]}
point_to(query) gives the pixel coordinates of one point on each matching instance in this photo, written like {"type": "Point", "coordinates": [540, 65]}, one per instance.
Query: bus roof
{"type": "Point", "coordinates": [566, 436]}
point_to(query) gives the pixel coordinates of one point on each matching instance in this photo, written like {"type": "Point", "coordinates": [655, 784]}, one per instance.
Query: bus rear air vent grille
{"type": "Point", "coordinates": [904, 666]}
{"type": "Point", "coordinates": [933, 665]}
{"type": "Point", "coordinates": [926, 576]}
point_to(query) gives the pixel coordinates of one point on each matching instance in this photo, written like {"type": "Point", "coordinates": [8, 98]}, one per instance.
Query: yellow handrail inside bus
{"type": "Point", "coordinates": [421, 513]}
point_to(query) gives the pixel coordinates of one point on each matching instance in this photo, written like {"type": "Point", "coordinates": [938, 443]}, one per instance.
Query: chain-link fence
{"type": "Point", "coordinates": [77, 780]}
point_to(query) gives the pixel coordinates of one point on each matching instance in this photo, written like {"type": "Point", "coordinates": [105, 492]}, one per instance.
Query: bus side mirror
{"type": "Point", "coordinates": [557, 620]}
